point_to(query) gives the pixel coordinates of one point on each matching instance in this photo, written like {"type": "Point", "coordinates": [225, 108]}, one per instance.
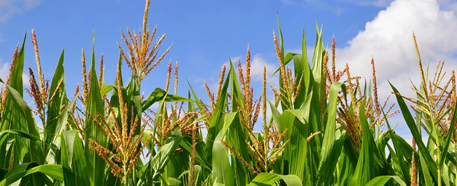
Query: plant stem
{"type": "Point", "coordinates": [438, 152]}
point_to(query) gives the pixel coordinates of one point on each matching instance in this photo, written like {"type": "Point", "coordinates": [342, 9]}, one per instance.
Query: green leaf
{"type": "Point", "coordinates": [402, 150]}
{"type": "Point", "coordinates": [106, 89]}
{"type": "Point", "coordinates": [74, 163]}
{"type": "Point", "coordinates": [416, 135]}
{"type": "Point", "coordinates": [330, 151]}
{"type": "Point", "coordinates": [216, 118]}
{"type": "Point", "coordinates": [56, 118]}
{"type": "Point", "coordinates": [448, 137]}
{"type": "Point", "coordinates": [16, 80]}
{"type": "Point", "coordinates": [20, 113]}
{"type": "Point", "coordinates": [160, 160]}
{"type": "Point", "coordinates": [366, 166]}
{"type": "Point", "coordinates": [222, 172]}
{"type": "Point", "coordinates": [200, 156]}
{"type": "Point", "coordinates": [52, 170]}
{"type": "Point", "coordinates": [281, 41]}
{"type": "Point", "coordinates": [93, 131]}
{"type": "Point", "coordinates": [382, 180]}
{"type": "Point", "coordinates": [318, 57]}
{"type": "Point", "coordinates": [276, 117]}
{"type": "Point", "coordinates": [265, 179]}
{"type": "Point", "coordinates": [159, 94]}
{"type": "Point", "coordinates": [23, 134]}
{"type": "Point", "coordinates": [425, 171]}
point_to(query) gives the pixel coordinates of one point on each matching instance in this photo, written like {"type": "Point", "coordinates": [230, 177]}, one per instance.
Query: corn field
{"type": "Point", "coordinates": [326, 127]}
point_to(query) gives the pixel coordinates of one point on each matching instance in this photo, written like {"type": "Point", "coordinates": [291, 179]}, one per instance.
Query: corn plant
{"type": "Point", "coordinates": [436, 115]}
{"type": "Point", "coordinates": [326, 126]}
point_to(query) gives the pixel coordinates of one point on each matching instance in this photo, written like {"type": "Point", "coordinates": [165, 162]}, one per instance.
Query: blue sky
{"type": "Point", "coordinates": [206, 34]}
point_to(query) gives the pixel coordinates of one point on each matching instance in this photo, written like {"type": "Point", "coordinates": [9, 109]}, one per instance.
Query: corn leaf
{"type": "Point", "coordinates": [319, 52]}
{"type": "Point", "coordinates": [382, 180]}
{"type": "Point", "coordinates": [366, 168]}
{"type": "Point", "coordinates": [56, 116]}
{"type": "Point", "coordinates": [448, 138]}
{"type": "Point", "coordinates": [74, 163]}
{"type": "Point", "coordinates": [159, 94]}
{"type": "Point", "coordinates": [222, 171]}
{"type": "Point", "coordinates": [160, 160]}
{"type": "Point", "coordinates": [4, 135]}
{"type": "Point", "coordinates": [331, 147]}
{"type": "Point", "coordinates": [18, 172]}
{"type": "Point", "coordinates": [93, 131]}
{"type": "Point", "coordinates": [217, 117]}
{"type": "Point", "coordinates": [428, 160]}
{"type": "Point", "coordinates": [402, 150]}
{"type": "Point", "coordinates": [22, 114]}
{"type": "Point", "coordinates": [265, 179]}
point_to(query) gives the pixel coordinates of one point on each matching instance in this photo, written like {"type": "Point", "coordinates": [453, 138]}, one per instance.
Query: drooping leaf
{"type": "Point", "coordinates": [22, 115]}
{"type": "Point", "coordinates": [52, 170]}
{"type": "Point", "coordinates": [266, 179]}
{"type": "Point", "coordinates": [159, 94]}
{"type": "Point", "coordinates": [382, 180]}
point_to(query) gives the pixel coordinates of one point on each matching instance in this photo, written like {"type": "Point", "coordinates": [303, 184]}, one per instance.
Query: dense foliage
{"type": "Point", "coordinates": [326, 127]}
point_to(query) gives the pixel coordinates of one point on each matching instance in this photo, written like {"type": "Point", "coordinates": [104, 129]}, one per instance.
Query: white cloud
{"type": "Point", "coordinates": [25, 80]}
{"type": "Point", "coordinates": [204, 132]}
{"type": "Point", "coordinates": [154, 106]}
{"type": "Point", "coordinates": [388, 38]}
{"type": "Point", "coordinates": [257, 64]}
{"type": "Point", "coordinates": [9, 8]}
